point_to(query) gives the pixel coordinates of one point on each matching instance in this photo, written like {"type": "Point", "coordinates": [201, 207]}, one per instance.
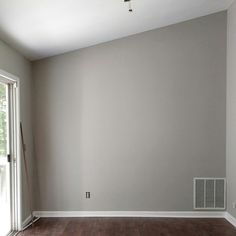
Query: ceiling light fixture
{"type": "Point", "coordinates": [130, 7]}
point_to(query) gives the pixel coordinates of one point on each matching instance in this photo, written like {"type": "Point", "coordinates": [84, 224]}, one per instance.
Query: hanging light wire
{"type": "Point", "coordinates": [130, 5]}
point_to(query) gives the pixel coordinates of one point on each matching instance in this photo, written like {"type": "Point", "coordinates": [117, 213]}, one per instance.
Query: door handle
{"type": "Point", "coordinates": [9, 158]}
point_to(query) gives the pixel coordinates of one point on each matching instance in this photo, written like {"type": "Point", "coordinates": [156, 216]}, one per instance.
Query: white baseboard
{"type": "Point", "coordinates": [170, 214]}
{"type": "Point", "coordinates": [230, 219]}
{"type": "Point", "coordinates": [26, 222]}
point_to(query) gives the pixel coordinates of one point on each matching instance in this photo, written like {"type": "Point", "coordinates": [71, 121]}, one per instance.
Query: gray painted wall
{"type": "Point", "coordinates": [132, 120]}
{"type": "Point", "coordinates": [231, 109]}
{"type": "Point", "coordinates": [12, 62]}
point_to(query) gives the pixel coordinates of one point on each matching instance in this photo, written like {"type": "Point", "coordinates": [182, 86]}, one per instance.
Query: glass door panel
{"type": "Point", "coordinates": [5, 181]}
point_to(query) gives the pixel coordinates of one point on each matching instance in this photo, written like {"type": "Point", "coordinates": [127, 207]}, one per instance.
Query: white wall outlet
{"type": "Point", "coordinates": [234, 204]}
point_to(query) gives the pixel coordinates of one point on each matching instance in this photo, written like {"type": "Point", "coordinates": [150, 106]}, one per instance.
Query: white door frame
{"type": "Point", "coordinates": [14, 120]}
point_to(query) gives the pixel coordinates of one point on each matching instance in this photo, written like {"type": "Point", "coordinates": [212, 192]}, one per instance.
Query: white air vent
{"type": "Point", "coordinates": [209, 193]}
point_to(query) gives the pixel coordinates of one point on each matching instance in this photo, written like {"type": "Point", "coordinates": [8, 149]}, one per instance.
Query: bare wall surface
{"type": "Point", "coordinates": [231, 109]}
{"type": "Point", "coordinates": [14, 63]}
{"type": "Point", "coordinates": [132, 120]}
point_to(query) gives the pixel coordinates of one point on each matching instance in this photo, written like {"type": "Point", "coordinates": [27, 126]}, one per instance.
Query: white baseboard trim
{"type": "Point", "coordinates": [170, 214]}
{"type": "Point", "coordinates": [26, 222]}
{"type": "Point", "coordinates": [230, 219]}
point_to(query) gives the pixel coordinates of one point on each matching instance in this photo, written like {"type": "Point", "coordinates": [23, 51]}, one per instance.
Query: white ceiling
{"type": "Point", "coordinates": [42, 28]}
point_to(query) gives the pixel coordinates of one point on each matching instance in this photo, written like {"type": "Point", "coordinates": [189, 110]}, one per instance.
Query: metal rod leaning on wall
{"type": "Point", "coordinates": [26, 173]}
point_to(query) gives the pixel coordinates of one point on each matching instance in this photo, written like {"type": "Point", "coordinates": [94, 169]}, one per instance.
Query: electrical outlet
{"type": "Point", "coordinates": [234, 204]}
{"type": "Point", "coordinates": [87, 194]}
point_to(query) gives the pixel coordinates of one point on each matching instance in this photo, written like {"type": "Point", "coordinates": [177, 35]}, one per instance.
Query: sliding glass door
{"type": "Point", "coordinates": [9, 164]}
{"type": "Point", "coordinates": [5, 167]}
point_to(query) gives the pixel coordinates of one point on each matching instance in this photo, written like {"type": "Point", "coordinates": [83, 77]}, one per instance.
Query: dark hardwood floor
{"type": "Point", "coordinates": [130, 227]}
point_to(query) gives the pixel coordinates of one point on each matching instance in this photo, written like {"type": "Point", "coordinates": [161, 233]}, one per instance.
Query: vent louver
{"type": "Point", "coordinates": [209, 193]}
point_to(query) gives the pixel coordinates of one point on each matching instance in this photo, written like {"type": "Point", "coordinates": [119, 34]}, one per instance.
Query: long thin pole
{"type": "Point", "coordinates": [27, 173]}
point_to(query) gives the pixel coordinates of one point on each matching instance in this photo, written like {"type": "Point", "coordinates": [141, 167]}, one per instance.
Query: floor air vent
{"type": "Point", "coordinates": [209, 193]}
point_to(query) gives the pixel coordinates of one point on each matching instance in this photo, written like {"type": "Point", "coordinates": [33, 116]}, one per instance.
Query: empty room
{"type": "Point", "coordinates": [118, 118]}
